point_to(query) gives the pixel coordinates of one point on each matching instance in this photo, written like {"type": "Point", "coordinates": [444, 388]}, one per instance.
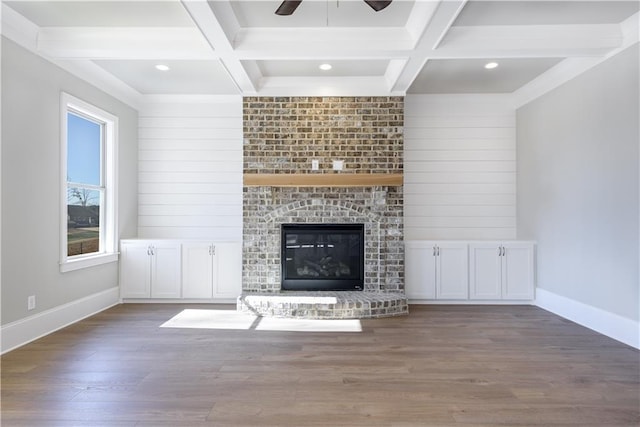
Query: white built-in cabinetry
{"type": "Point", "coordinates": [199, 267]}
{"type": "Point", "coordinates": [471, 271]}
{"type": "Point", "coordinates": [150, 269]}
{"type": "Point", "coordinates": [176, 269]}
{"type": "Point", "coordinates": [228, 282]}
{"type": "Point", "coordinates": [501, 270]}
{"type": "Point", "coordinates": [436, 270]}
{"type": "Point", "coordinates": [210, 270]}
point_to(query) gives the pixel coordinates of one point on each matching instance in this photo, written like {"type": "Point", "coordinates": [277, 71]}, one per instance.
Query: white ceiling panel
{"type": "Point", "coordinates": [540, 12]}
{"type": "Point", "coordinates": [470, 76]}
{"type": "Point", "coordinates": [312, 68]}
{"type": "Point", "coordinates": [321, 13]}
{"type": "Point", "coordinates": [183, 77]}
{"type": "Point", "coordinates": [242, 47]}
{"type": "Point", "coordinates": [164, 13]}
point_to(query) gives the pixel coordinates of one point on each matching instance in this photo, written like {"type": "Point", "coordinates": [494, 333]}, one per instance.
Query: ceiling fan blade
{"type": "Point", "coordinates": [287, 7]}
{"type": "Point", "coordinates": [378, 5]}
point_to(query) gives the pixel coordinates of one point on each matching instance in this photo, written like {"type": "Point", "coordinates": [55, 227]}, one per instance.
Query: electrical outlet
{"type": "Point", "coordinates": [31, 302]}
{"type": "Point", "coordinates": [338, 165]}
{"type": "Point", "coordinates": [315, 165]}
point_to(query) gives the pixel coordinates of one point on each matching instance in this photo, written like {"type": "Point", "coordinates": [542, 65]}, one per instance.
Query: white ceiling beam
{"type": "Point", "coordinates": [123, 43]}
{"type": "Point", "coordinates": [187, 43]}
{"type": "Point", "coordinates": [439, 23]}
{"type": "Point", "coordinates": [25, 33]}
{"type": "Point", "coordinates": [572, 67]}
{"type": "Point", "coordinates": [325, 86]}
{"type": "Point", "coordinates": [393, 71]}
{"type": "Point", "coordinates": [100, 78]}
{"type": "Point", "coordinates": [419, 19]}
{"type": "Point", "coordinates": [630, 28]}
{"type": "Point", "coordinates": [210, 27]}
{"type": "Point", "coordinates": [301, 54]}
{"type": "Point", "coordinates": [18, 28]}
{"type": "Point", "coordinates": [308, 41]}
{"type": "Point", "coordinates": [533, 52]}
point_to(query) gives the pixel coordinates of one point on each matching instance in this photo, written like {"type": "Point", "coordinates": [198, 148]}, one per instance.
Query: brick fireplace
{"type": "Point", "coordinates": [282, 135]}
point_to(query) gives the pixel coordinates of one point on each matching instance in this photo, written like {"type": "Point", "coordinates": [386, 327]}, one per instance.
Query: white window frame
{"type": "Point", "coordinates": [108, 207]}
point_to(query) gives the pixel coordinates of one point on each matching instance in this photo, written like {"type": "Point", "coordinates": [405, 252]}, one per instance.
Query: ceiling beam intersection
{"type": "Point", "coordinates": [210, 27]}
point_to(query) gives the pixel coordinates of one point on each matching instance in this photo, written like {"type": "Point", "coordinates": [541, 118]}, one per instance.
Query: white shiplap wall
{"type": "Point", "coordinates": [190, 169]}
{"type": "Point", "coordinates": [459, 167]}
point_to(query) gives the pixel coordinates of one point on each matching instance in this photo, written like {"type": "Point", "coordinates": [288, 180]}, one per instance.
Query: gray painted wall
{"type": "Point", "coordinates": [31, 88]}
{"type": "Point", "coordinates": [577, 191]}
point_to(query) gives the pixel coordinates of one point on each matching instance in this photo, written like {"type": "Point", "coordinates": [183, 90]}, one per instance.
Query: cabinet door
{"type": "Point", "coordinates": [517, 271]}
{"type": "Point", "coordinates": [165, 270]}
{"type": "Point", "coordinates": [197, 270]}
{"type": "Point", "coordinates": [452, 271]}
{"type": "Point", "coordinates": [486, 271]}
{"type": "Point", "coordinates": [420, 270]}
{"type": "Point", "coordinates": [227, 270]}
{"type": "Point", "coordinates": [135, 270]}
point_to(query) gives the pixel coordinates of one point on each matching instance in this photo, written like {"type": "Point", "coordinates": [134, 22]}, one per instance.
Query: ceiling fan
{"type": "Point", "coordinates": [287, 7]}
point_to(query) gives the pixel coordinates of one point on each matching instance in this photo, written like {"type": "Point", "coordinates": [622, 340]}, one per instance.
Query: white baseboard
{"type": "Point", "coordinates": [23, 331]}
{"type": "Point", "coordinates": [612, 325]}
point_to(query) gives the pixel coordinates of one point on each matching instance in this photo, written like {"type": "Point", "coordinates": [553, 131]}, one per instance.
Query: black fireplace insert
{"type": "Point", "coordinates": [322, 257]}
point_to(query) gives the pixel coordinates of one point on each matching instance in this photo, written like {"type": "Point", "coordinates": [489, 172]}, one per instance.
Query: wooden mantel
{"type": "Point", "coordinates": [323, 180]}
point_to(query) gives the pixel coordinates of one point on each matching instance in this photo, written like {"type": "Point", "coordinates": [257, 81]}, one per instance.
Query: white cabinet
{"type": "Point", "coordinates": [190, 269]}
{"type": "Point", "coordinates": [199, 267]}
{"type": "Point", "coordinates": [211, 270]}
{"type": "Point", "coordinates": [436, 270]}
{"type": "Point", "coordinates": [452, 271]}
{"type": "Point", "coordinates": [229, 281]}
{"type": "Point", "coordinates": [149, 269]}
{"type": "Point", "coordinates": [472, 271]}
{"type": "Point", "coordinates": [135, 270]}
{"type": "Point", "coordinates": [501, 270]}
{"type": "Point", "coordinates": [419, 270]}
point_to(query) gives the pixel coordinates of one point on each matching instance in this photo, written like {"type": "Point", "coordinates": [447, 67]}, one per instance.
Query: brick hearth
{"type": "Point", "coordinates": [323, 305]}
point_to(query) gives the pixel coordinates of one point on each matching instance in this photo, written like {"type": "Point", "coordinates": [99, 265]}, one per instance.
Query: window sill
{"type": "Point", "coordinates": [91, 261]}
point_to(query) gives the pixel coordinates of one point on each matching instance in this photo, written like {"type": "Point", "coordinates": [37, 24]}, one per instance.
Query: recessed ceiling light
{"type": "Point", "coordinates": [162, 67]}
{"type": "Point", "coordinates": [490, 65]}
{"type": "Point", "coordinates": [325, 67]}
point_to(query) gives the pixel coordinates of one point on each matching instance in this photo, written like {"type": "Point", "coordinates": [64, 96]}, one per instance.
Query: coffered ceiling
{"type": "Point", "coordinates": [224, 47]}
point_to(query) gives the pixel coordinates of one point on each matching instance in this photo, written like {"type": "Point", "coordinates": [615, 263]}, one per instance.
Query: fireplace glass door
{"type": "Point", "coordinates": [322, 257]}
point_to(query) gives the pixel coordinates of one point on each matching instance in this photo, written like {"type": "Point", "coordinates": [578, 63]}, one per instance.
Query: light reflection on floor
{"type": "Point", "coordinates": [233, 320]}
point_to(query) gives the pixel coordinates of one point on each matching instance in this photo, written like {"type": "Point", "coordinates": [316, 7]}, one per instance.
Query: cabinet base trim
{"type": "Point", "coordinates": [418, 301]}
{"type": "Point", "coordinates": [23, 331]}
{"type": "Point", "coordinates": [612, 325]}
{"type": "Point", "coordinates": [226, 300]}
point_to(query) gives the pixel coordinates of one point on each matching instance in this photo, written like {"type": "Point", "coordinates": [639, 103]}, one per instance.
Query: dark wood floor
{"type": "Point", "coordinates": [439, 366]}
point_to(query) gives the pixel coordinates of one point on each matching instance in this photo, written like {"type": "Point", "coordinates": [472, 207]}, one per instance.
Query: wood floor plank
{"type": "Point", "coordinates": [440, 366]}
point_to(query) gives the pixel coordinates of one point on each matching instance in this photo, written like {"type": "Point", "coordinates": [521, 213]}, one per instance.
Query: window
{"type": "Point", "coordinates": [88, 156]}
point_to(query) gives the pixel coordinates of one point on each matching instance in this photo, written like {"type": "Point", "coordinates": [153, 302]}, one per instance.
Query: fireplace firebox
{"type": "Point", "coordinates": [322, 257]}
